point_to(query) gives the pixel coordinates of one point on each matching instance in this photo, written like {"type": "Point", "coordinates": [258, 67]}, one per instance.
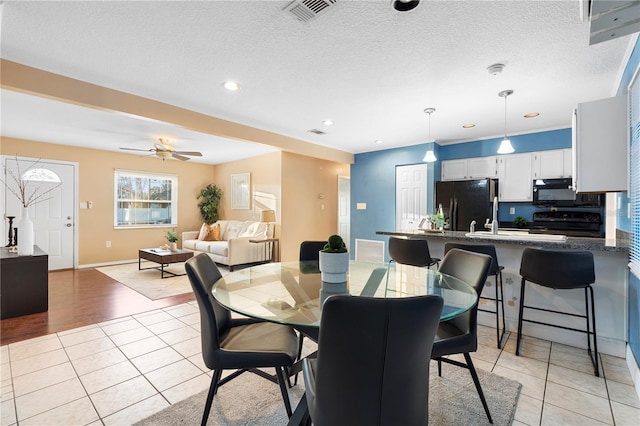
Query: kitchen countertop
{"type": "Point", "coordinates": [575, 243]}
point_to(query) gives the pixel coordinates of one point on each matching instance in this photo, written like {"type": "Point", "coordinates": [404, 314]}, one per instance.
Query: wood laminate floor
{"type": "Point", "coordinates": [82, 297]}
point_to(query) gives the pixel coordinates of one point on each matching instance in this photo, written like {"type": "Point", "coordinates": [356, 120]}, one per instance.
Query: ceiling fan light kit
{"type": "Point", "coordinates": [165, 151]}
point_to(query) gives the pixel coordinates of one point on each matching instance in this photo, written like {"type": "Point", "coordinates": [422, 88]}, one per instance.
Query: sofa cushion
{"type": "Point", "coordinates": [233, 230]}
{"type": "Point", "coordinates": [251, 229]}
{"type": "Point", "coordinates": [202, 234]}
{"type": "Point", "coordinates": [189, 244]}
{"type": "Point", "coordinates": [221, 248]}
{"type": "Point", "coordinates": [213, 232]}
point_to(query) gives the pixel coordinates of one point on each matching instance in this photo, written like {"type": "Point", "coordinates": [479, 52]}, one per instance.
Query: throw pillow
{"type": "Point", "coordinates": [213, 233]}
{"type": "Point", "coordinates": [251, 230]}
{"type": "Point", "coordinates": [202, 234]}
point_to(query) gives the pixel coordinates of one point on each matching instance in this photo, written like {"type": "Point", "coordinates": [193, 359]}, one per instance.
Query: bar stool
{"type": "Point", "coordinates": [411, 251]}
{"type": "Point", "coordinates": [496, 270]}
{"type": "Point", "coordinates": [560, 270]}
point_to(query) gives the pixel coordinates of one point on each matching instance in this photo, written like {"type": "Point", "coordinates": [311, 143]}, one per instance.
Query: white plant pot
{"type": "Point", "coordinates": [334, 267]}
{"type": "Point", "coordinates": [25, 234]}
{"type": "Point", "coordinates": [173, 246]}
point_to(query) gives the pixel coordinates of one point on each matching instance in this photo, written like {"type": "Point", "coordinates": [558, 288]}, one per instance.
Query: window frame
{"type": "Point", "coordinates": [145, 175]}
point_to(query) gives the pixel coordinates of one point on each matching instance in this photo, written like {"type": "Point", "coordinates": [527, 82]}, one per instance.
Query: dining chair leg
{"type": "Point", "coordinates": [283, 389]}
{"type": "Point", "coordinates": [212, 391]}
{"type": "Point", "coordinates": [439, 368]}
{"type": "Point", "coordinates": [300, 339]}
{"type": "Point", "coordinates": [521, 310]}
{"type": "Point", "coordinates": [474, 376]}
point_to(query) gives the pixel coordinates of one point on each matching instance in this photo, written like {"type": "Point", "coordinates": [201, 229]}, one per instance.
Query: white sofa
{"type": "Point", "coordinates": [234, 247]}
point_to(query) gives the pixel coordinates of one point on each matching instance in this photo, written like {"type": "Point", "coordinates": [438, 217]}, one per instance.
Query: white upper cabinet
{"type": "Point", "coordinates": [454, 169]}
{"type": "Point", "coordinates": [482, 167]}
{"type": "Point", "coordinates": [551, 164]}
{"type": "Point", "coordinates": [514, 172]}
{"type": "Point", "coordinates": [600, 145]}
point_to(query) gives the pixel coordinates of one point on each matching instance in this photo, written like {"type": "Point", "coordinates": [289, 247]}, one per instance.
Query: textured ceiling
{"type": "Point", "coordinates": [369, 68]}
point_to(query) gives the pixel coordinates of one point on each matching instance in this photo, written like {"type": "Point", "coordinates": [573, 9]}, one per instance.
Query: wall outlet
{"type": "Point", "coordinates": [512, 210]}
{"type": "Point", "coordinates": [108, 244]}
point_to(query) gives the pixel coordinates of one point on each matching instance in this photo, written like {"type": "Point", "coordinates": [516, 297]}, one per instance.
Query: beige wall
{"type": "Point", "coordinates": [290, 184]}
{"type": "Point", "coordinates": [308, 184]}
{"type": "Point", "coordinates": [96, 168]}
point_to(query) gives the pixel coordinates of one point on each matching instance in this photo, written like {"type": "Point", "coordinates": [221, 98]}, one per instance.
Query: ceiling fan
{"type": "Point", "coordinates": [164, 151]}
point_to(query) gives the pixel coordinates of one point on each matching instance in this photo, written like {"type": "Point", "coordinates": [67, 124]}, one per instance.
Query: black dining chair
{"type": "Point", "coordinates": [242, 344]}
{"type": "Point", "coordinates": [309, 250]}
{"type": "Point", "coordinates": [372, 366]}
{"type": "Point", "coordinates": [460, 334]}
{"type": "Point", "coordinates": [496, 271]}
{"type": "Point", "coordinates": [560, 270]}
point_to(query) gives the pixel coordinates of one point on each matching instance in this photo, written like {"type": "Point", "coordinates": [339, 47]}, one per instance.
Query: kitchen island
{"type": "Point", "coordinates": [611, 257]}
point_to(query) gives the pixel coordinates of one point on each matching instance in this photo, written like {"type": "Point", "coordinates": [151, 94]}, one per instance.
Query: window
{"type": "Point", "coordinates": [145, 199]}
{"type": "Point", "coordinates": [634, 171]}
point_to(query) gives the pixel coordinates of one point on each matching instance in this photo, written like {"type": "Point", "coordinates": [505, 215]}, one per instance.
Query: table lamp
{"type": "Point", "coordinates": [267, 216]}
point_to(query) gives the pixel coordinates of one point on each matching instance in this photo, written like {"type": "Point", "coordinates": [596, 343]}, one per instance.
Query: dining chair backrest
{"type": "Point", "coordinates": [214, 318]}
{"type": "Point", "coordinates": [410, 251]}
{"type": "Point", "coordinates": [309, 250]}
{"type": "Point", "coordinates": [472, 268]}
{"type": "Point", "coordinates": [373, 360]}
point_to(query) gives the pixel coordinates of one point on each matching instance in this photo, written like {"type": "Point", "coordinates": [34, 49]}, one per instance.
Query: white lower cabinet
{"type": "Point", "coordinates": [514, 173]}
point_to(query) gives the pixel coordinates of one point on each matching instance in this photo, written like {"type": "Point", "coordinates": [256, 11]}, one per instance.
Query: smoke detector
{"type": "Point", "coordinates": [495, 69]}
{"type": "Point", "coordinates": [306, 10]}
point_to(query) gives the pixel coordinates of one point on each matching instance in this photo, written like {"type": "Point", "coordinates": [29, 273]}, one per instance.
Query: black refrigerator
{"type": "Point", "coordinates": [466, 200]}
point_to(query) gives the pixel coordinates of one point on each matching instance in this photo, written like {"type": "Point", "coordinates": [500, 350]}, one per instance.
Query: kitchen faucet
{"type": "Point", "coordinates": [494, 223]}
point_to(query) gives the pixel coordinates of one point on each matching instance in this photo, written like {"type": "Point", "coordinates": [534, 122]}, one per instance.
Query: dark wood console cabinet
{"type": "Point", "coordinates": [24, 283]}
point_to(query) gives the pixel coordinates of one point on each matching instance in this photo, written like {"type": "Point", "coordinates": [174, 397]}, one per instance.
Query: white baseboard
{"type": "Point", "coordinates": [632, 363]}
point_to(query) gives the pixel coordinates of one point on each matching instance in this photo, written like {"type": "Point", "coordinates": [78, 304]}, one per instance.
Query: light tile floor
{"type": "Point", "coordinates": [121, 371]}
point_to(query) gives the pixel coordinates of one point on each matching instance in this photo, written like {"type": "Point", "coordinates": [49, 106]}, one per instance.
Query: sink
{"type": "Point", "coordinates": [516, 235]}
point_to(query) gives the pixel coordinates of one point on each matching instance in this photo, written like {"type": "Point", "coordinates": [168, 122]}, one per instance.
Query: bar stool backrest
{"type": "Point", "coordinates": [478, 248]}
{"type": "Point", "coordinates": [559, 269]}
{"type": "Point", "coordinates": [410, 251]}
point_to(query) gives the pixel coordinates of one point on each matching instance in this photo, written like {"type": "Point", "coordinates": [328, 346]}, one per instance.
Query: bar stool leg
{"type": "Point", "coordinates": [521, 310]}
{"type": "Point", "coordinates": [594, 357]}
{"type": "Point", "coordinates": [504, 324]}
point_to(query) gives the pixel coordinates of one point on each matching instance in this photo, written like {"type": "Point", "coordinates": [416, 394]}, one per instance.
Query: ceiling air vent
{"type": "Point", "coordinates": [306, 10]}
{"type": "Point", "coordinates": [316, 131]}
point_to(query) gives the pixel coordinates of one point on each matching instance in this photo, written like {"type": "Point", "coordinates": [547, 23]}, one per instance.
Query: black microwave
{"type": "Point", "coordinates": [560, 193]}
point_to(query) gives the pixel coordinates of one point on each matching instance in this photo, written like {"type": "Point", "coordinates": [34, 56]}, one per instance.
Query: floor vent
{"type": "Point", "coordinates": [370, 250]}
{"type": "Point", "coordinates": [306, 10]}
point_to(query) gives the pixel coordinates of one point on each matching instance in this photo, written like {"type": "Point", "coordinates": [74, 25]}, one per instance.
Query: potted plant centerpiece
{"type": "Point", "coordinates": [172, 237]}
{"type": "Point", "coordinates": [334, 261]}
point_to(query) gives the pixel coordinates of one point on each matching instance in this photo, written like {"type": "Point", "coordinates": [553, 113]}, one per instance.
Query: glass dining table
{"type": "Point", "coordinates": [292, 293]}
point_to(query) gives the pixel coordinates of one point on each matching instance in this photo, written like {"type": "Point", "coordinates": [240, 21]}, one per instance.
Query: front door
{"type": "Point", "coordinates": [53, 216]}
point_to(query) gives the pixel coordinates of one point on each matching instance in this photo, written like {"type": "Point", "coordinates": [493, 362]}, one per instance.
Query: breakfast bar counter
{"type": "Point", "coordinates": [611, 257]}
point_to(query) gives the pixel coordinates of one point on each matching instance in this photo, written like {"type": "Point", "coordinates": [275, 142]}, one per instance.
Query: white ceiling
{"type": "Point", "coordinates": [369, 68]}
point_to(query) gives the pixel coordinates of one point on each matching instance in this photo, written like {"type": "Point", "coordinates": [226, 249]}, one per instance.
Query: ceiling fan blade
{"type": "Point", "coordinates": [193, 153]}
{"type": "Point", "coordinates": [136, 149]}
{"type": "Point", "coordinates": [179, 157]}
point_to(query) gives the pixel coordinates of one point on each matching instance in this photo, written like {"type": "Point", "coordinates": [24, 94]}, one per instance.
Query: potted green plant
{"type": "Point", "coordinates": [210, 198]}
{"type": "Point", "coordinates": [520, 222]}
{"type": "Point", "coordinates": [334, 261]}
{"type": "Point", "coordinates": [172, 237]}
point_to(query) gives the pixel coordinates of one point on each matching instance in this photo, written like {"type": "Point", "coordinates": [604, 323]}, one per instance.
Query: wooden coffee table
{"type": "Point", "coordinates": [163, 258]}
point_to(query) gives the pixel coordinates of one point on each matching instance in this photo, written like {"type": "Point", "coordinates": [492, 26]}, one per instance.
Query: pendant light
{"type": "Point", "coordinates": [429, 157]}
{"type": "Point", "coordinates": [505, 145]}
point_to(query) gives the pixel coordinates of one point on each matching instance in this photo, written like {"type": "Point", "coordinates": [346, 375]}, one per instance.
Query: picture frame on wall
{"type": "Point", "coordinates": [241, 191]}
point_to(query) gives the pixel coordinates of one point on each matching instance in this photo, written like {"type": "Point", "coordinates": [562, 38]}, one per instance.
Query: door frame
{"type": "Point", "coordinates": [75, 185]}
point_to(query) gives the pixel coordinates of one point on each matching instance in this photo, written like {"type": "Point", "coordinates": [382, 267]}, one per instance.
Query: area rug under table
{"type": "Point", "coordinates": [148, 282]}
{"type": "Point", "coordinates": [251, 400]}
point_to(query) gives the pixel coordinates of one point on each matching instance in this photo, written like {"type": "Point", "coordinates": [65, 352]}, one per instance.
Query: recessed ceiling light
{"type": "Point", "coordinates": [379, 141]}
{"type": "Point", "coordinates": [532, 115]}
{"type": "Point", "coordinates": [468, 126]}
{"type": "Point", "coordinates": [327, 122]}
{"type": "Point", "coordinates": [231, 85]}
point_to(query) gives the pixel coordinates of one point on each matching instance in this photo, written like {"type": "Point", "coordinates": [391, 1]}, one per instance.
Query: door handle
{"type": "Point", "coordinates": [68, 225]}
